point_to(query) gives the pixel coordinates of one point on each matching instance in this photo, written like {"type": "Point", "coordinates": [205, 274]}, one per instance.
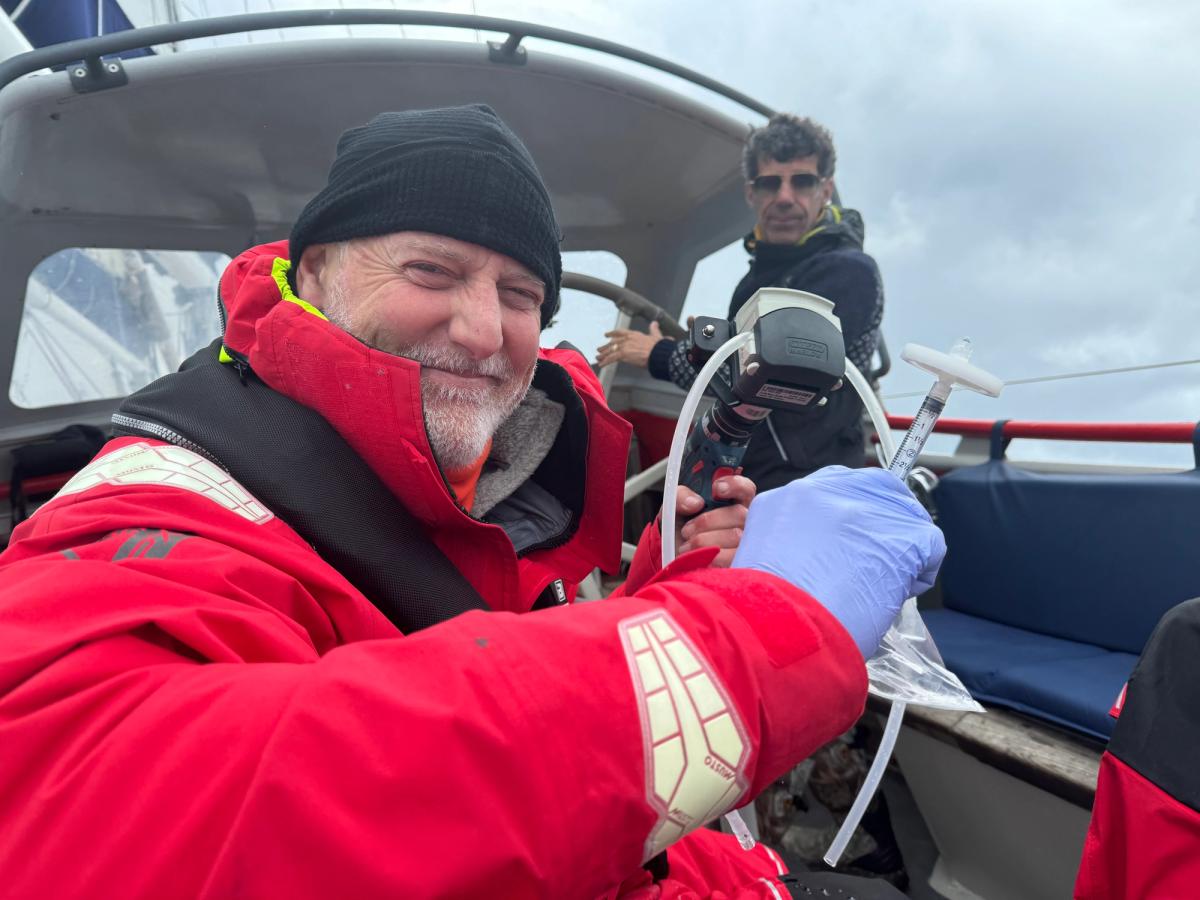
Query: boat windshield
{"type": "Point", "coordinates": [99, 323]}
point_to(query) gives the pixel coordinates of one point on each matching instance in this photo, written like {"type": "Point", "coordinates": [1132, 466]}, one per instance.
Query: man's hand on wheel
{"type": "Point", "coordinates": [627, 346]}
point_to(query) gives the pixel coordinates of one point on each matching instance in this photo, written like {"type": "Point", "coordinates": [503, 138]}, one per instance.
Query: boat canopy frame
{"type": "Point", "coordinates": [216, 149]}
{"type": "Point", "coordinates": [91, 51]}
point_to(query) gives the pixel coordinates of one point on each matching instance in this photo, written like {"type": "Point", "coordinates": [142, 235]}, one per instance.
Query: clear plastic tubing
{"type": "Point", "coordinates": [874, 409]}
{"type": "Point", "coordinates": [682, 427]}
{"type": "Point", "coordinates": [900, 462]}
{"type": "Point", "coordinates": [897, 464]}
{"type": "Point", "coordinates": [671, 486]}
{"type": "Point", "coordinates": [887, 744]}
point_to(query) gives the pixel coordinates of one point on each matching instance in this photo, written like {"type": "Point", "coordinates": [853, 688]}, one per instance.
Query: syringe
{"type": "Point", "coordinates": [951, 370]}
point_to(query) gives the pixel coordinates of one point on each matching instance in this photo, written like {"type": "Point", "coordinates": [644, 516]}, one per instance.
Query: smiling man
{"type": "Point", "coordinates": [801, 240]}
{"type": "Point", "coordinates": [396, 292]}
{"type": "Point", "coordinates": [304, 627]}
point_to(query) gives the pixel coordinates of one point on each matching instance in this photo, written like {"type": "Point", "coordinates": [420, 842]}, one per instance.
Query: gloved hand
{"type": "Point", "coordinates": [855, 539]}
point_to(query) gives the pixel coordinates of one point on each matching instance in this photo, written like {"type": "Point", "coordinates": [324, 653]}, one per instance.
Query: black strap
{"type": "Point", "coordinates": [1196, 445]}
{"type": "Point", "coordinates": [999, 443]}
{"type": "Point", "coordinates": [292, 460]}
{"type": "Point", "coordinates": [66, 451]}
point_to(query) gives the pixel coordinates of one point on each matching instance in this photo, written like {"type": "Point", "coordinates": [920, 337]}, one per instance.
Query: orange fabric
{"type": "Point", "coordinates": [463, 480]}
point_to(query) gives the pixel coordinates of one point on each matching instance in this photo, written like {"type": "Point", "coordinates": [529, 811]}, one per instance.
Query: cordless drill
{"type": "Point", "coordinates": [794, 360]}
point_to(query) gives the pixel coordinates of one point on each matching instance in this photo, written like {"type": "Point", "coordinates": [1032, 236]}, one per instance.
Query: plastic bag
{"type": "Point", "coordinates": [908, 667]}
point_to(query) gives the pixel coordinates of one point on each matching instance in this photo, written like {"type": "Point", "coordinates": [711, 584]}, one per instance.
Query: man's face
{"type": "Point", "coordinates": [786, 206]}
{"type": "Point", "coordinates": [470, 316]}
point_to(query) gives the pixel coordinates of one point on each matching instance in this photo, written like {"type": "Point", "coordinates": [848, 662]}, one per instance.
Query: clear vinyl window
{"type": "Point", "coordinates": [582, 317]}
{"type": "Point", "coordinates": [100, 323]}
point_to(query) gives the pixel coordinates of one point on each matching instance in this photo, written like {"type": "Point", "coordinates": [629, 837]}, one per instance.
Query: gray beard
{"type": "Point", "coordinates": [459, 421]}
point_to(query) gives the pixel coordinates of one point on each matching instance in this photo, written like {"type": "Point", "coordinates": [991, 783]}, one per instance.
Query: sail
{"type": "Point", "coordinates": [45, 22]}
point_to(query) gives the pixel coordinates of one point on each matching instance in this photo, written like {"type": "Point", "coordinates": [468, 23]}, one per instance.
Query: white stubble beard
{"type": "Point", "coordinates": [459, 421]}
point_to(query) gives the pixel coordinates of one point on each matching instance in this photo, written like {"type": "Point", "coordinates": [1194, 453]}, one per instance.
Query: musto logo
{"type": "Point", "coordinates": [696, 746]}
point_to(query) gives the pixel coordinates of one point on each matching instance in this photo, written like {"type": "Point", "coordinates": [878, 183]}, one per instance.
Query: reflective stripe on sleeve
{"type": "Point", "coordinates": [142, 464]}
{"type": "Point", "coordinates": [696, 748]}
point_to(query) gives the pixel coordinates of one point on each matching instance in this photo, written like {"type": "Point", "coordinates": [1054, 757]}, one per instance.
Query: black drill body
{"type": "Point", "coordinates": [797, 357]}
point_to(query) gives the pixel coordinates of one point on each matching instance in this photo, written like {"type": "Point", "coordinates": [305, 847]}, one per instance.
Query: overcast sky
{"type": "Point", "coordinates": [1027, 172]}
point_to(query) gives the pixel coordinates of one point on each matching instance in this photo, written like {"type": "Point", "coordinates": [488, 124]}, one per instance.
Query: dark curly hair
{"type": "Point", "coordinates": [786, 137]}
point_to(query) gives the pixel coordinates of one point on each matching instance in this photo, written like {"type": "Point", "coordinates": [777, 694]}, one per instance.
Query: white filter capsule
{"type": "Point", "coordinates": [953, 369]}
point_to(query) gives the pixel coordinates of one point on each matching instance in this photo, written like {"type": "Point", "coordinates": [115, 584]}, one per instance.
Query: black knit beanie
{"type": "Point", "coordinates": [459, 172]}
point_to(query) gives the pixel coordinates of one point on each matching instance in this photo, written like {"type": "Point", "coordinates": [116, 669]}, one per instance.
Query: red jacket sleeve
{"type": "Point", "coordinates": [192, 722]}
{"type": "Point", "coordinates": [647, 560]}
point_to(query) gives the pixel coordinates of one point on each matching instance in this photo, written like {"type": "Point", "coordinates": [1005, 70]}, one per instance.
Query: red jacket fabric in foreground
{"type": "Point", "coordinates": [1144, 837]}
{"type": "Point", "coordinates": [194, 704]}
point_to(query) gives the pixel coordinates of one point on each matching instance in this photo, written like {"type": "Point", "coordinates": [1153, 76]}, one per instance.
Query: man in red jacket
{"type": "Point", "coordinates": [268, 642]}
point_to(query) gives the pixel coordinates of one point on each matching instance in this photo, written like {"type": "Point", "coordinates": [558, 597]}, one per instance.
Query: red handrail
{"type": "Point", "coordinates": [43, 484]}
{"type": "Point", "coordinates": [1127, 432]}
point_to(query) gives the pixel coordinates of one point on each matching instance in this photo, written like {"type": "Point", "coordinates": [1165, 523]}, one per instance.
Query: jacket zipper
{"type": "Point", "coordinates": [162, 433]}
{"type": "Point", "coordinates": [778, 443]}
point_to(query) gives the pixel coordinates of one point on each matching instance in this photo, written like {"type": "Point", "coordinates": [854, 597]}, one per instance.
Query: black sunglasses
{"type": "Point", "coordinates": [770, 184]}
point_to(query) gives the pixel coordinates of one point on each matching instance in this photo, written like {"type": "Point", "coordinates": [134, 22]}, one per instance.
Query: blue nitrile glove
{"type": "Point", "coordinates": [857, 540]}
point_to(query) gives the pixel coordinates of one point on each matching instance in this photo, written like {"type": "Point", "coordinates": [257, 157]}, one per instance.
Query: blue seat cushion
{"type": "Point", "coordinates": [1066, 682]}
{"type": "Point", "coordinates": [1096, 559]}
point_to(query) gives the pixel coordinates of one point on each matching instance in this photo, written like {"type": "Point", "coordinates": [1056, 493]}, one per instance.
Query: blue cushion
{"type": "Point", "coordinates": [1096, 559]}
{"type": "Point", "coordinates": [1077, 693]}
{"type": "Point", "coordinates": [1066, 682]}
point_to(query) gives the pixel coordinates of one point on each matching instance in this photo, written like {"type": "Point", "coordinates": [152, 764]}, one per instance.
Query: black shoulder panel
{"type": "Point", "coordinates": [1158, 733]}
{"type": "Point", "coordinates": [292, 460]}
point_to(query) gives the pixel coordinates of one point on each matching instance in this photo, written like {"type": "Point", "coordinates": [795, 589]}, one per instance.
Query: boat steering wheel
{"type": "Point", "coordinates": [629, 302]}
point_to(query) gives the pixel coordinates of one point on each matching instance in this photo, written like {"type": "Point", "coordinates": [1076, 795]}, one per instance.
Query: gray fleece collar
{"type": "Point", "coordinates": [518, 448]}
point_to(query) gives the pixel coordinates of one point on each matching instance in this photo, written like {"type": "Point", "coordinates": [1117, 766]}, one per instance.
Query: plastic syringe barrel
{"type": "Point", "coordinates": [915, 438]}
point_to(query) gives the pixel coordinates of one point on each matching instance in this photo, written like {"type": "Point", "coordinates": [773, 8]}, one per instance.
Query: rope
{"type": "Point", "coordinates": [16, 13]}
{"type": "Point", "coordinates": [1066, 375]}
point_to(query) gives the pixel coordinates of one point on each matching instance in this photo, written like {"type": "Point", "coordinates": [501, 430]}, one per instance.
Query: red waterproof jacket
{"type": "Point", "coordinates": [1144, 837]}
{"type": "Point", "coordinates": [194, 704]}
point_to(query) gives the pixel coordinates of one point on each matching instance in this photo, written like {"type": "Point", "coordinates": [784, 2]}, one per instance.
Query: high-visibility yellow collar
{"type": "Point", "coordinates": [279, 271]}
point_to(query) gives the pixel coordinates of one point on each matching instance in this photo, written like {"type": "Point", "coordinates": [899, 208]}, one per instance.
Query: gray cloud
{"type": "Point", "coordinates": [1027, 171]}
